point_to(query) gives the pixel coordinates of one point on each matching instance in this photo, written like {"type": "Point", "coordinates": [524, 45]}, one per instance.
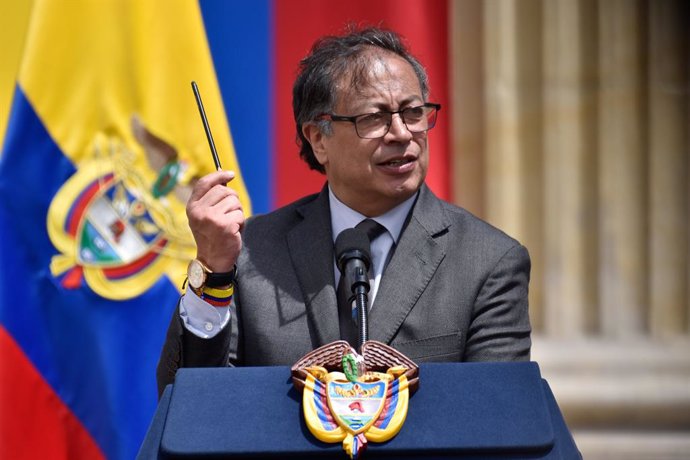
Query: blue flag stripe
{"type": "Point", "coordinates": [98, 355]}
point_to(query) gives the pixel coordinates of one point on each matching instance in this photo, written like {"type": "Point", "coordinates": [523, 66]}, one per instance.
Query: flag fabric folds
{"type": "Point", "coordinates": [103, 142]}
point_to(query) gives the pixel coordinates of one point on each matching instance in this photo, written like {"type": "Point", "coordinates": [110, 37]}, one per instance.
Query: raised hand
{"type": "Point", "coordinates": [216, 219]}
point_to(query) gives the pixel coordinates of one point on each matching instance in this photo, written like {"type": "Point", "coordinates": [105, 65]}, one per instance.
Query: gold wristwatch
{"type": "Point", "coordinates": [199, 276]}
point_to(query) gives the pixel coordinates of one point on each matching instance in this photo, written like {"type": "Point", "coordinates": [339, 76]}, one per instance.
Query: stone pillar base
{"type": "Point", "coordinates": [621, 399]}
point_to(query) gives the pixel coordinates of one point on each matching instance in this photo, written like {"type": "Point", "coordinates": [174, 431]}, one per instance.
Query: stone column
{"type": "Point", "coordinates": [514, 180]}
{"type": "Point", "coordinates": [570, 63]}
{"type": "Point", "coordinates": [467, 75]}
{"type": "Point", "coordinates": [668, 167]}
{"type": "Point", "coordinates": [623, 243]}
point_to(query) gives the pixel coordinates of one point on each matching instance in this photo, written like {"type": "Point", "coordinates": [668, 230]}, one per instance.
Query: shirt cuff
{"type": "Point", "coordinates": [200, 318]}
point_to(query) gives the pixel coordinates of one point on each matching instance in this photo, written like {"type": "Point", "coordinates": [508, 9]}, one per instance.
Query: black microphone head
{"type": "Point", "coordinates": [352, 243]}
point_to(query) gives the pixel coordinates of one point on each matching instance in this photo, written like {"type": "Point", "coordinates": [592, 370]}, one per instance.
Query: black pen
{"type": "Point", "coordinates": [207, 128]}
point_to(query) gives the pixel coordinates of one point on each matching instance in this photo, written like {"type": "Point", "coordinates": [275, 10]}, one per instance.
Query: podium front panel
{"type": "Point", "coordinates": [468, 409]}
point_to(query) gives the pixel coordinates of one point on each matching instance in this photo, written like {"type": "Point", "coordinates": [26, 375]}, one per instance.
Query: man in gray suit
{"type": "Point", "coordinates": [446, 286]}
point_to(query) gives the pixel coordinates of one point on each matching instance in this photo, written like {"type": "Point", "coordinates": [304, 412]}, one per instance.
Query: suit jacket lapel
{"type": "Point", "coordinates": [310, 244]}
{"type": "Point", "coordinates": [414, 262]}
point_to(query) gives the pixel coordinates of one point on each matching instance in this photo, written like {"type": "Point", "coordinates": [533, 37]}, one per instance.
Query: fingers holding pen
{"type": "Point", "coordinates": [216, 218]}
{"type": "Point", "coordinates": [213, 203]}
{"type": "Point", "coordinates": [214, 211]}
{"type": "Point", "coordinates": [210, 181]}
{"type": "Point", "coordinates": [211, 192]}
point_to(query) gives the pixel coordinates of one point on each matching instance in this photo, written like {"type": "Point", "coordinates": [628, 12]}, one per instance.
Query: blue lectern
{"type": "Point", "coordinates": [463, 410]}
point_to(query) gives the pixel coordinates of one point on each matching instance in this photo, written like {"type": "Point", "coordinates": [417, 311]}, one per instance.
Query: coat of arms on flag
{"type": "Point", "coordinates": [117, 227]}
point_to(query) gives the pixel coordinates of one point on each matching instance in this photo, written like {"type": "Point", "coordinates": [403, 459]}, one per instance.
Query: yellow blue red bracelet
{"type": "Point", "coordinates": [217, 297]}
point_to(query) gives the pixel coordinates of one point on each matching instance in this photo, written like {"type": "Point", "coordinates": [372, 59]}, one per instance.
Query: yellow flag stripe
{"type": "Point", "coordinates": [105, 61]}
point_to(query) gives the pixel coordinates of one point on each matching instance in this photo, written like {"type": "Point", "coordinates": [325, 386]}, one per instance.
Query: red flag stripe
{"type": "Point", "coordinates": [34, 422]}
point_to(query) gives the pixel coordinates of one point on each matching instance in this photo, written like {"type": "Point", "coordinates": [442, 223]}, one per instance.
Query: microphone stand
{"type": "Point", "coordinates": [352, 248]}
{"type": "Point", "coordinates": [360, 288]}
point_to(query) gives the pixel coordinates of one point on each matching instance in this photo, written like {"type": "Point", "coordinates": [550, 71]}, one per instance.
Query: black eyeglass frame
{"type": "Point", "coordinates": [353, 118]}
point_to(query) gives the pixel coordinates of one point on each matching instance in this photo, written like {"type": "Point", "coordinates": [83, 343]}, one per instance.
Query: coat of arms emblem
{"type": "Point", "coordinates": [120, 227]}
{"type": "Point", "coordinates": [352, 398]}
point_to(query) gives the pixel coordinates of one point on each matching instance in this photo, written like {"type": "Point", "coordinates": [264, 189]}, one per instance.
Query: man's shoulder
{"type": "Point", "coordinates": [467, 226]}
{"type": "Point", "coordinates": [473, 238]}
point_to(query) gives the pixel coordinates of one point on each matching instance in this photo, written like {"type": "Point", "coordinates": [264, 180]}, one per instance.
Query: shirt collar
{"type": "Point", "coordinates": [343, 217]}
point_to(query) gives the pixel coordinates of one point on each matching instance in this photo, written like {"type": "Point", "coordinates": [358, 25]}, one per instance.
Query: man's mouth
{"type": "Point", "coordinates": [398, 161]}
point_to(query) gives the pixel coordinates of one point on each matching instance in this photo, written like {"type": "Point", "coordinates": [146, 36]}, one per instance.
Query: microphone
{"type": "Point", "coordinates": [352, 248]}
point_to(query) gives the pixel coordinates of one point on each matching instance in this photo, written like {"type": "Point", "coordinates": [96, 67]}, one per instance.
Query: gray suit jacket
{"type": "Point", "coordinates": [454, 290]}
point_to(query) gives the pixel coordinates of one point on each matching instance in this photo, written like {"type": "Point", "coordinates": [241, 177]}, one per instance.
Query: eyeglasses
{"type": "Point", "coordinates": [375, 125]}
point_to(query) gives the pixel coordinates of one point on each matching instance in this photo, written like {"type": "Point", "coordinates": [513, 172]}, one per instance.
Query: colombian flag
{"type": "Point", "coordinates": [102, 145]}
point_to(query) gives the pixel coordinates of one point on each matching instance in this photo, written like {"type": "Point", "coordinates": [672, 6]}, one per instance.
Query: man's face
{"type": "Point", "coordinates": [374, 175]}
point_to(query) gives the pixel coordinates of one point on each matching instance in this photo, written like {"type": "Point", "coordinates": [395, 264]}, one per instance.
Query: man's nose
{"type": "Point", "coordinates": [398, 130]}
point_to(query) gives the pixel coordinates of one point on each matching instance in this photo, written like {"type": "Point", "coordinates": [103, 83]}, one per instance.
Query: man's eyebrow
{"type": "Point", "coordinates": [384, 106]}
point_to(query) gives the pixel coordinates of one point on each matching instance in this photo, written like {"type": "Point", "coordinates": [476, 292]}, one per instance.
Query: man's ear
{"type": "Point", "coordinates": [316, 138]}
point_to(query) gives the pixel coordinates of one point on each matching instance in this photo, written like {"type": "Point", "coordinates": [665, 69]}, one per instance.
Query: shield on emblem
{"type": "Point", "coordinates": [356, 405]}
{"type": "Point", "coordinates": [114, 227]}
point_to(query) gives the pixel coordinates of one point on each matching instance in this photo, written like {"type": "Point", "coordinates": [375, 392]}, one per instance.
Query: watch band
{"type": "Point", "coordinates": [215, 279]}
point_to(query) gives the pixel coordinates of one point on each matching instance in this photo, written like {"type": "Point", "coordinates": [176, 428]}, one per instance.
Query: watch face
{"type": "Point", "coordinates": [195, 274]}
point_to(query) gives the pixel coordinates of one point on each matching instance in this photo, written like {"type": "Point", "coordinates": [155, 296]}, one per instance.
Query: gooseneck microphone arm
{"type": "Point", "coordinates": [361, 289]}
{"type": "Point", "coordinates": [352, 248]}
